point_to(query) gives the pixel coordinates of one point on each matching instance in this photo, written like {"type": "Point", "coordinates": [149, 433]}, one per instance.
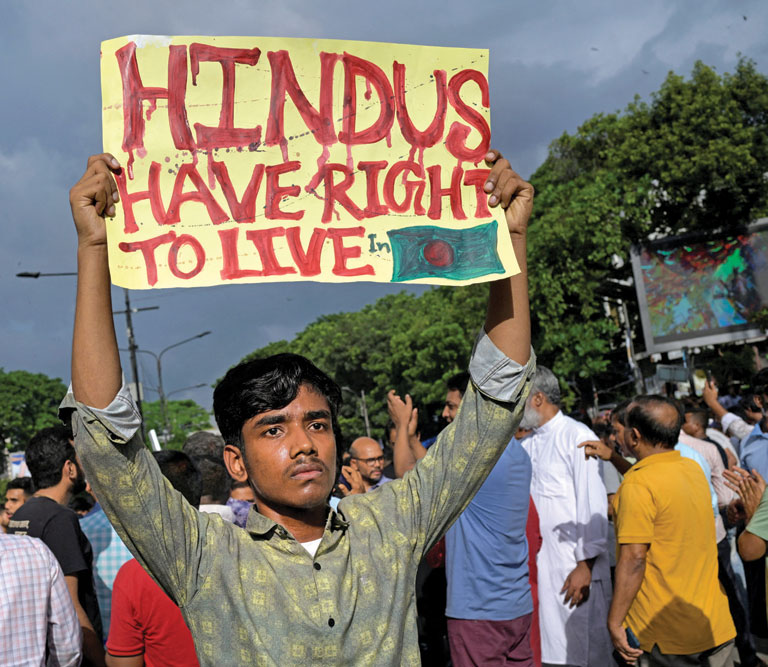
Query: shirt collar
{"type": "Point", "coordinates": [258, 524]}
{"type": "Point", "coordinates": [655, 458]}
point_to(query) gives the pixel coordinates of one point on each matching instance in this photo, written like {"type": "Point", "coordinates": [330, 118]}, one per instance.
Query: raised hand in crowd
{"type": "Point", "coordinates": [749, 486]}
{"type": "Point", "coordinates": [354, 479]}
{"type": "Point", "coordinates": [408, 449]}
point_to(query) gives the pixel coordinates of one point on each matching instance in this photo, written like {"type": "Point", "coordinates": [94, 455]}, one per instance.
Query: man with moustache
{"type": "Point", "coordinates": [574, 575]}
{"type": "Point", "coordinates": [57, 476]}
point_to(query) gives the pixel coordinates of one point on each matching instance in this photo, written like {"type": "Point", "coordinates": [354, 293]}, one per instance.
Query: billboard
{"type": "Point", "coordinates": [702, 289]}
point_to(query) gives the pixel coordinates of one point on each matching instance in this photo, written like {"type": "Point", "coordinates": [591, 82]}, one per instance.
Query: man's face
{"type": "Point", "coordinates": [14, 498]}
{"type": "Point", "coordinates": [243, 493]}
{"type": "Point", "coordinates": [690, 426]}
{"type": "Point", "coordinates": [531, 417]}
{"type": "Point", "coordinates": [452, 402]}
{"type": "Point", "coordinates": [289, 454]}
{"type": "Point", "coordinates": [618, 434]}
{"type": "Point", "coordinates": [368, 459]}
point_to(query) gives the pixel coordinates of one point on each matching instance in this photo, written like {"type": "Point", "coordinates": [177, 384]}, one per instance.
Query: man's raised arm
{"type": "Point", "coordinates": [96, 373]}
{"type": "Point", "coordinates": [508, 321]}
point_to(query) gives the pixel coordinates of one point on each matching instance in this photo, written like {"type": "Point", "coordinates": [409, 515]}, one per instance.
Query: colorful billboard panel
{"type": "Point", "coordinates": [698, 290]}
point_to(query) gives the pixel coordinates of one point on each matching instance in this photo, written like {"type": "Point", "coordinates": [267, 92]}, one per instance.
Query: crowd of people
{"type": "Point", "coordinates": [518, 535]}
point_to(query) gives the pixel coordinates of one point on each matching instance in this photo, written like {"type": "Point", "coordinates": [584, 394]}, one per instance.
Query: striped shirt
{"type": "Point", "coordinates": [36, 610]}
{"type": "Point", "coordinates": [109, 555]}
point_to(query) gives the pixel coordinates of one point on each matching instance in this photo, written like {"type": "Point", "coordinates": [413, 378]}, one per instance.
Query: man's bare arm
{"type": "Point", "coordinates": [96, 372]}
{"type": "Point", "coordinates": [630, 570]}
{"type": "Point", "coordinates": [508, 321]}
{"type": "Point", "coordinates": [400, 413]}
{"type": "Point", "coordinates": [125, 660]}
{"type": "Point", "coordinates": [93, 651]}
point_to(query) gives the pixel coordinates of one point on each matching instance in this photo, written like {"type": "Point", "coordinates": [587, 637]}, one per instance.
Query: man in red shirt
{"type": "Point", "coordinates": [146, 627]}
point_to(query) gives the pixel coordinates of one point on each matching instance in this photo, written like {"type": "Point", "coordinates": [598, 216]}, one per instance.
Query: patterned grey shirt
{"type": "Point", "coordinates": [256, 596]}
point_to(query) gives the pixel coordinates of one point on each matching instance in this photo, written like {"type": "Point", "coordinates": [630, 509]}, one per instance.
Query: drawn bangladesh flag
{"type": "Point", "coordinates": [440, 252]}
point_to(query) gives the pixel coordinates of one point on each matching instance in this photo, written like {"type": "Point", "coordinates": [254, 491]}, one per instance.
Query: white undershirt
{"type": "Point", "coordinates": [311, 546]}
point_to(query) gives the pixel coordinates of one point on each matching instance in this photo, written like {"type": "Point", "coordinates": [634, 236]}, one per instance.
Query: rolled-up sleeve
{"type": "Point", "coordinates": [160, 528]}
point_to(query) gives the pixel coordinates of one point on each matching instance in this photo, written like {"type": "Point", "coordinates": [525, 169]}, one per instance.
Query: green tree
{"type": "Point", "coordinates": [28, 402]}
{"type": "Point", "coordinates": [184, 417]}
{"type": "Point", "coordinates": [693, 158]}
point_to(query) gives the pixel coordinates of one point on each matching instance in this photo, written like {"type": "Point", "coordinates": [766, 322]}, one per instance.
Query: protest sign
{"type": "Point", "coordinates": [252, 159]}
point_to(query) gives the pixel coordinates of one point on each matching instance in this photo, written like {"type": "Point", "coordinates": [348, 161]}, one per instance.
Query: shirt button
{"type": "Point", "coordinates": [316, 566]}
{"type": "Point", "coordinates": [331, 622]}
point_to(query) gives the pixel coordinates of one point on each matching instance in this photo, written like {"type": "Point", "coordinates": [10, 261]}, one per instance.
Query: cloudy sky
{"type": "Point", "coordinates": [553, 64]}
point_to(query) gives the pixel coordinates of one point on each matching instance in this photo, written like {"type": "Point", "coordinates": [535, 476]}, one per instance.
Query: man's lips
{"type": "Point", "coordinates": [304, 471]}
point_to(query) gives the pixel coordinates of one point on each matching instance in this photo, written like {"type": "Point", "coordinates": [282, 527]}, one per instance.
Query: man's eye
{"type": "Point", "coordinates": [318, 426]}
{"type": "Point", "coordinates": [272, 431]}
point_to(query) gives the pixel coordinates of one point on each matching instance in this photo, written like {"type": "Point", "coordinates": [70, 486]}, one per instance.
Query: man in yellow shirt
{"type": "Point", "coordinates": [667, 599]}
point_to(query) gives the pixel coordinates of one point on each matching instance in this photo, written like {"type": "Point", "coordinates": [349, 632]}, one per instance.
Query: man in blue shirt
{"type": "Point", "coordinates": [489, 605]}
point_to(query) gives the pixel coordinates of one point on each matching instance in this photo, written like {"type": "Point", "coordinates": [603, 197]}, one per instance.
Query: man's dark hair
{"type": "Point", "coordinates": [654, 431]}
{"type": "Point", "coordinates": [46, 454]}
{"type": "Point", "coordinates": [458, 382]}
{"type": "Point", "coordinates": [215, 478]}
{"type": "Point", "coordinates": [261, 385]}
{"type": "Point", "coordinates": [204, 443]}
{"type": "Point", "coordinates": [23, 483]}
{"type": "Point", "coordinates": [619, 413]}
{"type": "Point", "coordinates": [699, 414]}
{"type": "Point", "coordinates": [180, 470]}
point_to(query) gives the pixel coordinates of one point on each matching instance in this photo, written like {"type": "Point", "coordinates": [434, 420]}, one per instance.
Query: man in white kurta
{"type": "Point", "coordinates": [573, 562]}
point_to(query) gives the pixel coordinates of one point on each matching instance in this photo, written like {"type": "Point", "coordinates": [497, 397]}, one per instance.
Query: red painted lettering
{"type": "Point", "coordinates": [135, 93]}
{"type": "Point", "coordinates": [436, 193]}
{"type": "Point", "coordinates": [226, 134]}
{"type": "Point", "coordinates": [230, 269]}
{"type": "Point", "coordinates": [342, 253]}
{"type": "Point", "coordinates": [338, 191]}
{"type": "Point", "coordinates": [456, 141]}
{"type": "Point", "coordinates": [434, 132]}
{"type": "Point", "coordinates": [354, 67]}
{"type": "Point", "coordinates": [389, 188]}
{"type": "Point", "coordinates": [275, 193]}
{"type": "Point", "coordinates": [372, 169]}
{"type": "Point", "coordinates": [173, 256]}
{"type": "Point", "coordinates": [243, 210]}
{"type": "Point", "coordinates": [318, 121]}
{"type": "Point", "coordinates": [478, 177]}
{"type": "Point", "coordinates": [147, 248]}
{"type": "Point", "coordinates": [263, 239]}
{"type": "Point", "coordinates": [202, 195]}
{"type": "Point", "coordinates": [309, 261]}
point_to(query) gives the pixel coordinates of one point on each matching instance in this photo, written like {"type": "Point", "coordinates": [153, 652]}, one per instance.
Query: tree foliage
{"type": "Point", "coordinates": [694, 158]}
{"type": "Point", "coordinates": [185, 417]}
{"type": "Point", "coordinates": [28, 402]}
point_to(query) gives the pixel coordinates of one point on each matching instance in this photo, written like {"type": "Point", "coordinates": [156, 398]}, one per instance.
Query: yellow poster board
{"type": "Point", "coordinates": [250, 159]}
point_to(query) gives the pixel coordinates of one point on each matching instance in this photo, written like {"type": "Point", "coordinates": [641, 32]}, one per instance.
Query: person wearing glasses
{"type": "Point", "coordinates": [367, 457]}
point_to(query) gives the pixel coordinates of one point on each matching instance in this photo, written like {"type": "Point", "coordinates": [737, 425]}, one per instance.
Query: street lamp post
{"type": "Point", "coordinates": [158, 361]}
{"type": "Point", "coordinates": [132, 347]}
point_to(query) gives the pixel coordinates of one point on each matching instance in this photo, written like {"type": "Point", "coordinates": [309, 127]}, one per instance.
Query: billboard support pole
{"type": "Point", "coordinates": [636, 373]}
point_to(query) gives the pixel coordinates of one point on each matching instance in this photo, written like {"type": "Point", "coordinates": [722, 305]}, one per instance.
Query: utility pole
{"type": "Point", "coordinates": [364, 410]}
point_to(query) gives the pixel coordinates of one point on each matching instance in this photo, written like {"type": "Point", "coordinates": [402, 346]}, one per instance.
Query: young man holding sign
{"type": "Point", "coordinates": [303, 584]}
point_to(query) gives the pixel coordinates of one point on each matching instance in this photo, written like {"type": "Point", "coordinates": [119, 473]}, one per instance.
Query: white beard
{"type": "Point", "coordinates": [531, 419]}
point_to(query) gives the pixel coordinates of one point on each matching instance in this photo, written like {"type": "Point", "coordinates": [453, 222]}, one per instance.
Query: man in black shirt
{"type": "Point", "coordinates": [57, 476]}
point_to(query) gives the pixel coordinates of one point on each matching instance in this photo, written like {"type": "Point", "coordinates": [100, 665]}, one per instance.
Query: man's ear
{"type": "Point", "coordinates": [235, 463]}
